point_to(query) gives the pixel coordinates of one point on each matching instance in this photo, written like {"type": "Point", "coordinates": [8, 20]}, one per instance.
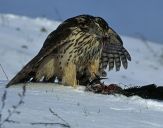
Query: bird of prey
{"type": "Point", "coordinates": [81, 46]}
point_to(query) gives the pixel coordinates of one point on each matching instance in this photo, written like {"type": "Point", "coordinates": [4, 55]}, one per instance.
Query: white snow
{"type": "Point", "coordinates": [20, 40]}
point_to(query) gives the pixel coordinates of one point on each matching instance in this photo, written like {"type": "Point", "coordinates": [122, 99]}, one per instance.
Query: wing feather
{"type": "Point", "coordinates": [113, 52]}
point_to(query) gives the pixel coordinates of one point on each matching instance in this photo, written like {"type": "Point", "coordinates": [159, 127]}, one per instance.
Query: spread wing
{"type": "Point", "coordinates": [113, 53]}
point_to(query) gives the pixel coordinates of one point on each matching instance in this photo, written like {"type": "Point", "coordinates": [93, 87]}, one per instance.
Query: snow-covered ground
{"type": "Point", "coordinates": [20, 40]}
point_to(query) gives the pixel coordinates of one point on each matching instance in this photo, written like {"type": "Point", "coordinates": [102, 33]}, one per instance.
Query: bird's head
{"type": "Point", "coordinates": [105, 32]}
{"type": "Point", "coordinates": [101, 26]}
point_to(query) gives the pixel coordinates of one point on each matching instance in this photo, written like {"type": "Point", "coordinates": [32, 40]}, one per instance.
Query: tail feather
{"type": "Point", "coordinates": [27, 72]}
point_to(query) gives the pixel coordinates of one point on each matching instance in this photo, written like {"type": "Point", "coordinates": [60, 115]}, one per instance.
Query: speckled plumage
{"type": "Point", "coordinates": [79, 48]}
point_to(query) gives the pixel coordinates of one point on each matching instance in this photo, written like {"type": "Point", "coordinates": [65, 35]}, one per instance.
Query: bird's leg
{"type": "Point", "coordinates": [95, 85]}
{"type": "Point", "coordinates": [97, 80]}
{"type": "Point", "coordinates": [83, 77]}
{"type": "Point", "coordinates": [69, 75]}
{"type": "Point", "coordinates": [93, 69]}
